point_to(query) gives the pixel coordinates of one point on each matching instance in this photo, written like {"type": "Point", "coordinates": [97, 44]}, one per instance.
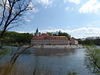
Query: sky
{"type": "Point", "coordinates": [79, 18]}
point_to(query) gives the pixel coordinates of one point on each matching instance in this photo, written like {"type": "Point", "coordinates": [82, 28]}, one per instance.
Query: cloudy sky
{"type": "Point", "coordinates": [79, 18]}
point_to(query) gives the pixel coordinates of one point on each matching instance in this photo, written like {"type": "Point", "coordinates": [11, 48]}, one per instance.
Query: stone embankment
{"type": "Point", "coordinates": [58, 46]}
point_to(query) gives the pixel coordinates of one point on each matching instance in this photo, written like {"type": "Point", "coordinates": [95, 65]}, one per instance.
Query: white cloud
{"type": "Point", "coordinates": [45, 3]}
{"type": "Point", "coordinates": [90, 6]}
{"type": "Point", "coordinates": [32, 16]}
{"type": "Point", "coordinates": [77, 33]}
{"type": "Point", "coordinates": [72, 1]}
{"type": "Point", "coordinates": [25, 19]}
{"type": "Point", "coordinates": [67, 8]}
{"type": "Point", "coordinates": [35, 10]}
{"type": "Point", "coordinates": [84, 32]}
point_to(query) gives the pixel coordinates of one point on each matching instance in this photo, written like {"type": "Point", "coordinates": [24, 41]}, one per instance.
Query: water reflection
{"type": "Point", "coordinates": [53, 52]}
{"type": "Point", "coordinates": [63, 60]}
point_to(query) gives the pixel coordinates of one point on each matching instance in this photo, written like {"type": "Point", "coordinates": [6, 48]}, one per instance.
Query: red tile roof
{"type": "Point", "coordinates": [72, 38]}
{"type": "Point", "coordinates": [38, 37]}
{"type": "Point", "coordinates": [49, 37]}
{"type": "Point", "coordinates": [44, 34]}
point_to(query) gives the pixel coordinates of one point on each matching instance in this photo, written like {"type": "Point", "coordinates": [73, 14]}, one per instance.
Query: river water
{"type": "Point", "coordinates": [59, 61]}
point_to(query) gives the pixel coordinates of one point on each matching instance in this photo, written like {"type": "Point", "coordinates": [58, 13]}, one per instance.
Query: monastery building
{"type": "Point", "coordinates": [45, 39]}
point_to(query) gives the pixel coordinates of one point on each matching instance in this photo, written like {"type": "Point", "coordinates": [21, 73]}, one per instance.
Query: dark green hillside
{"type": "Point", "coordinates": [14, 37]}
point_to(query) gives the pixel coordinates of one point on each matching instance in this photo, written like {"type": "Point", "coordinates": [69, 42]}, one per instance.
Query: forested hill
{"type": "Point", "coordinates": [14, 37]}
{"type": "Point", "coordinates": [89, 40]}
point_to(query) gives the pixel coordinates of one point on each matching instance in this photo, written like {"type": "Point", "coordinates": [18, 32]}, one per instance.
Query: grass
{"type": "Point", "coordinates": [21, 69]}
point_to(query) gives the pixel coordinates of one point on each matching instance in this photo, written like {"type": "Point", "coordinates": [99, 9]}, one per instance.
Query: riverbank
{"type": "Point", "coordinates": [57, 46]}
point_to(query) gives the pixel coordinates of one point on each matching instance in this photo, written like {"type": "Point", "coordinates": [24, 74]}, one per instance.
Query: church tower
{"type": "Point", "coordinates": [37, 32]}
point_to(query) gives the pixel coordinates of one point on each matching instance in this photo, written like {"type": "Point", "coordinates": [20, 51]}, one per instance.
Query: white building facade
{"type": "Point", "coordinates": [45, 39]}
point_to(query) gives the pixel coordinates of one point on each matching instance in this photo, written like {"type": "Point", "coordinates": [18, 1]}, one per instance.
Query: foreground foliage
{"type": "Point", "coordinates": [92, 59]}
{"type": "Point", "coordinates": [21, 69]}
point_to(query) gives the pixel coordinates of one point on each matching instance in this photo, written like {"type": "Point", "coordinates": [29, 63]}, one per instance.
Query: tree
{"type": "Point", "coordinates": [59, 33]}
{"type": "Point", "coordinates": [10, 38]}
{"type": "Point", "coordinates": [64, 34]}
{"type": "Point", "coordinates": [49, 33]}
{"type": "Point", "coordinates": [11, 13]}
{"type": "Point", "coordinates": [55, 35]}
{"type": "Point", "coordinates": [92, 59]}
{"type": "Point", "coordinates": [88, 40]}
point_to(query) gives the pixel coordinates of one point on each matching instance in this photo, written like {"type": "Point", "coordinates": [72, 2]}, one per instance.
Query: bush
{"type": "Point", "coordinates": [92, 59]}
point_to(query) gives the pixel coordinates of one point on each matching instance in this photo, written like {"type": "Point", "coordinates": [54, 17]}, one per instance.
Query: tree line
{"type": "Point", "coordinates": [89, 40]}
{"type": "Point", "coordinates": [14, 37]}
{"type": "Point", "coordinates": [59, 34]}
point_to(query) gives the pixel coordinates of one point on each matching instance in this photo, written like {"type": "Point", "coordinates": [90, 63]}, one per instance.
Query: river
{"type": "Point", "coordinates": [59, 61]}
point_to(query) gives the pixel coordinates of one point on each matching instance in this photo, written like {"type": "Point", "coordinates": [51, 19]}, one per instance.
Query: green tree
{"type": "Point", "coordinates": [49, 33]}
{"type": "Point", "coordinates": [55, 35]}
{"type": "Point", "coordinates": [92, 59]}
{"type": "Point", "coordinates": [64, 34]}
{"type": "Point", "coordinates": [59, 33]}
{"type": "Point", "coordinates": [13, 37]}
